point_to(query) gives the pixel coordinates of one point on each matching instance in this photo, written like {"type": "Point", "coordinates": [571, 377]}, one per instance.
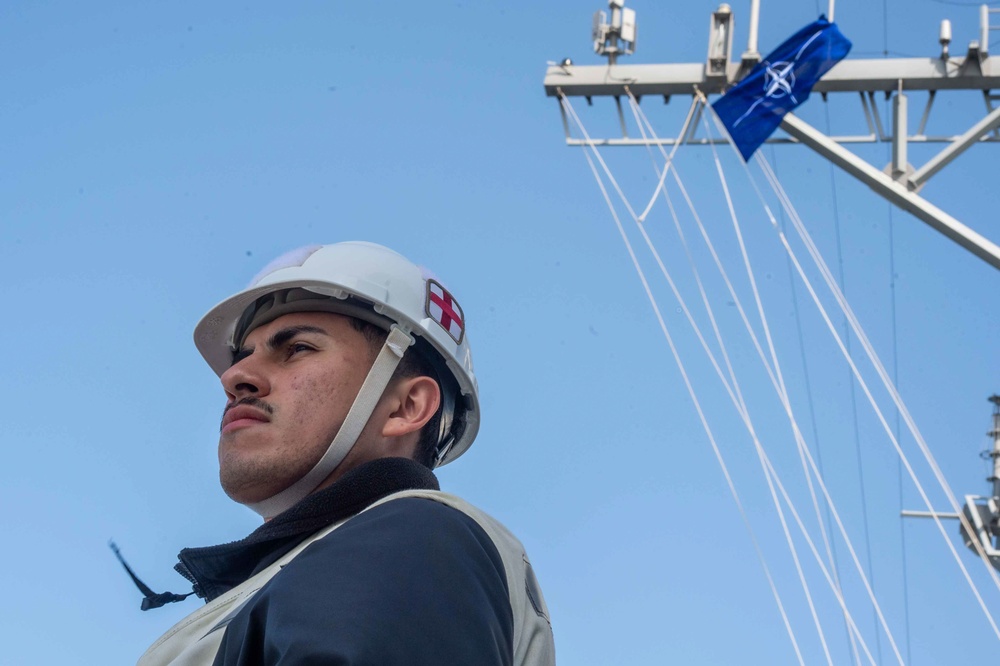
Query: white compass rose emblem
{"type": "Point", "coordinates": [779, 79]}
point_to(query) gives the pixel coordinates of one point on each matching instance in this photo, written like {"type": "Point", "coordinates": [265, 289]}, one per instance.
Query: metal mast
{"type": "Point", "coordinates": [896, 78]}
{"type": "Point", "coordinates": [995, 452]}
{"type": "Point", "coordinates": [980, 520]}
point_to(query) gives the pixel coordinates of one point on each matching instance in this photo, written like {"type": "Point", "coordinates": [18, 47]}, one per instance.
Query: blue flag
{"type": "Point", "coordinates": [753, 109]}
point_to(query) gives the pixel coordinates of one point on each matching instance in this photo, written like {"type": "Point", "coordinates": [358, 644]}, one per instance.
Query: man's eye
{"type": "Point", "coordinates": [297, 347]}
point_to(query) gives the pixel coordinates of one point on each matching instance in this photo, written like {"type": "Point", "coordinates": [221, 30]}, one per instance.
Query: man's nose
{"type": "Point", "coordinates": [245, 378]}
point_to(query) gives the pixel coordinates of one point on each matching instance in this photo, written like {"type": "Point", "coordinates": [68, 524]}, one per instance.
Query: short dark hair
{"type": "Point", "coordinates": [413, 364]}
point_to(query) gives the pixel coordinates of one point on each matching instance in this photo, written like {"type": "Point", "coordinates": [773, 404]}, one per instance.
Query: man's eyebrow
{"type": "Point", "coordinates": [284, 335]}
{"type": "Point", "coordinates": [277, 339]}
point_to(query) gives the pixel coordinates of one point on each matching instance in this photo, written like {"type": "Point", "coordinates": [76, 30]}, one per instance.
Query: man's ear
{"type": "Point", "coordinates": [415, 401]}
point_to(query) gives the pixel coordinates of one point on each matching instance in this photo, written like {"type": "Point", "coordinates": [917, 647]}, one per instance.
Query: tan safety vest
{"type": "Point", "coordinates": [195, 640]}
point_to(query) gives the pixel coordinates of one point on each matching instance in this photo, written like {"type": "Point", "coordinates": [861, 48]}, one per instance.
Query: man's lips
{"type": "Point", "coordinates": [242, 416]}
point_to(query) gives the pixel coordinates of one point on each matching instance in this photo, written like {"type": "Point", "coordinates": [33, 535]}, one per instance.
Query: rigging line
{"type": "Point", "coordinates": [785, 401]}
{"type": "Point", "coordinates": [741, 404]}
{"type": "Point", "coordinates": [830, 544]}
{"type": "Point", "coordinates": [774, 359]}
{"type": "Point", "coordinates": [721, 268]}
{"type": "Point", "coordinates": [705, 300]}
{"type": "Point", "coordinates": [590, 144]}
{"type": "Point", "coordinates": [633, 103]}
{"type": "Point", "coordinates": [772, 480]}
{"type": "Point", "coordinates": [711, 357]}
{"type": "Point", "coordinates": [851, 390]}
{"type": "Point", "coordinates": [836, 514]}
{"type": "Point", "coordinates": [887, 383]}
{"type": "Point", "coordinates": [737, 396]}
{"type": "Point", "coordinates": [795, 425]}
{"type": "Point", "coordinates": [741, 407]}
{"type": "Point", "coordinates": [800, 441]}
{"type": "Point", "coordinates": [742, 412]}
{"type": "Point", "coordinates": [643, 122]}
{"type": "Point", "coordinates": [718, 371]}
{"type": "Point", "coordinates": [878, 412]}
{"type": "Point", "coordinates": [909, 469]}
{"type": "Point", "coordinates": [783, 392]}
{"type": "Point", "coordinates": [668, 278]}
{"type": "Point", "coordinates": [838, 594]}
{"type": "Point", "coordinates": [733, 389]}
{"type": "Point", "coordinates": [701, 415]}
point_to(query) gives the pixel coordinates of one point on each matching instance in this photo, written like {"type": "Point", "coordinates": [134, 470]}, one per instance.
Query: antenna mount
{"type": "Point", "coordinates": [616, 37]}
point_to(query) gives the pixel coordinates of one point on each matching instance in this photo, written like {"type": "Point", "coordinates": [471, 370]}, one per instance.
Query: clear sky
{"type": "Point", "coordinates": [154, 156]}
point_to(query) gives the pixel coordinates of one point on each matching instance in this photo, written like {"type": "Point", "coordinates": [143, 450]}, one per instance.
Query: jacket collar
{"type": "Point", "coordinates": [216, 569]}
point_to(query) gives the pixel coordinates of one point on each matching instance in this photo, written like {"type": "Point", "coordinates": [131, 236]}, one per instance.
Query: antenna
{"type": "Point", "coordinates": [616, 37]}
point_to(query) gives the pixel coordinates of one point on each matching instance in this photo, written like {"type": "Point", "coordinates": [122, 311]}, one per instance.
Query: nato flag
{"type": "Point", "coordinates": [753, 109]}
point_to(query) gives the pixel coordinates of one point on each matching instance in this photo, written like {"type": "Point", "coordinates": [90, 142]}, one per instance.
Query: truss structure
{"type": "Point", "coordinates": [896, 78]}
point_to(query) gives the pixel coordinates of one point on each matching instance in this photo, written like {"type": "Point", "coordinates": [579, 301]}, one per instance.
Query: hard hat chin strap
{"type": "Point", "coordinates": [364, 404]}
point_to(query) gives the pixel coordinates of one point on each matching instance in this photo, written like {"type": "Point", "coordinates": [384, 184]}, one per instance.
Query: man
{"type": "Point", "coordinates": [348, 377]}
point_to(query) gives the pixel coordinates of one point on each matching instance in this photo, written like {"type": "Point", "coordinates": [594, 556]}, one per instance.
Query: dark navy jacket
{"type": "Point", "coordinates": [411, 581]}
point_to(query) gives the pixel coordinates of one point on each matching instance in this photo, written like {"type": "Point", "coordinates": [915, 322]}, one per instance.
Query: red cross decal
{"type": "Point", "coordinates": [445, 310]}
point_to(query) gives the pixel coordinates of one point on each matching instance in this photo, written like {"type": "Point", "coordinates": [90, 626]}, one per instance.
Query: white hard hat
{"type": "Point", "coordinates": [372, 283]}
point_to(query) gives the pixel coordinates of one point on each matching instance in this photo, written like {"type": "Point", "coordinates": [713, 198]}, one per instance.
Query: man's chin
{"type": "Point", "coordinates": [245, 496]}
{"type": "Point", "coordinates": [247, 487]}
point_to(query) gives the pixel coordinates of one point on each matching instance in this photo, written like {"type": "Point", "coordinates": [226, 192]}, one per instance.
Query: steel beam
{"type": "Point", "coordinates": [892, 191]}
{"type": "Point", "coordinates": [847, 75]}
{"type": "Point", "coordinates": [957, 147]}
{"type": "Point", "coordinates": [693, 139]}
{"type": "Point", "coordinates": [927, 514]}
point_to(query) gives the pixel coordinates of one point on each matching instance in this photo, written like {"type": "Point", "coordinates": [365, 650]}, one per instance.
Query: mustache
{"type": "Point", "coordinates": [250, 401]}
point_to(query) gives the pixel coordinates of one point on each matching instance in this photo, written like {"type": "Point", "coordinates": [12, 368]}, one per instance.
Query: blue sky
{"type": "Point", "coordinates": [156, 156]}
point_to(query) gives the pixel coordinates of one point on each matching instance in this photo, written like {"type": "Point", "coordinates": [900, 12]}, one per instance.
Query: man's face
{"type": "Point", "coordinates": [289, 390]}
